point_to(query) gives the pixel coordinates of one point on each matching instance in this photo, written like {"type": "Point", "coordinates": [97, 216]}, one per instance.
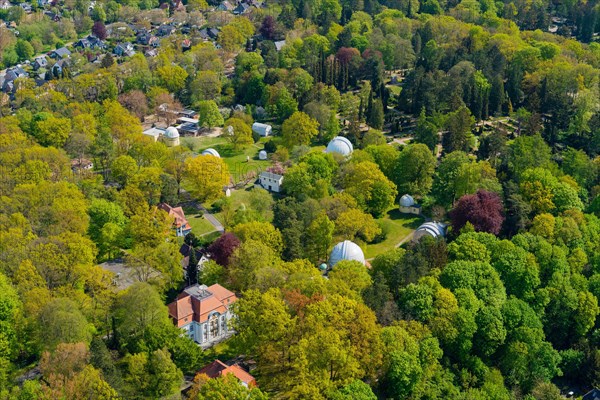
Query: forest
{"type": "Point", "coordinates": [487, 113]}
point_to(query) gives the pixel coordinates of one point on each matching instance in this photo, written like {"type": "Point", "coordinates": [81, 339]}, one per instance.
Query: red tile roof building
{"type": "Point", "coordinates": [218, 368]}
{"type": "Point", "coordinates": [203, 312]}
{"type": "Point", "coordinates": [181, 224]}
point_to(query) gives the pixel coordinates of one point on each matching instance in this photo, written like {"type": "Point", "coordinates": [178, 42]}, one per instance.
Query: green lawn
{"type": "Point", "coordinates": [236, 160]}
{"type": "Point", "coordinates": [397, 226]}
{"type": "Point", "coordinates": [199, 224]}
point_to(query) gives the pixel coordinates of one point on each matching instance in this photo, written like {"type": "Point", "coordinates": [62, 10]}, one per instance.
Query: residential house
{"type": "Point", "coordinates": [209, 34]}
{"type": "Point", "coordinates": [58, 68]}
{"type": "Point", "coordinates": [270, 181]}
{"type": "Point", "coordinates": [52, 15]}
{"type": "Point", "coordinates": [241, 8]}
{"type": "Point", "coordinates": [5, 5]}
{"type": "Point", "coordinates": [143, 37]}
{"type": "Point", "coordinates": [225, 6]}
{"type": "Point", "coordinates": [185, 250]}
{"type": "Point", "coordinates": [181, 225]}
{"type": "Point", "coordinates": [151, 53]}
{"type": "Point", "coordinates": [203, 313]}
{"type": "Point", "coordinates": [165, 30]}
{"type": "Point", "coordinates": [81, 164]}
{"type": "Point", "coordinates": [186, 44]}
{"type": "Point", "coordinates": [7, 81]}
{"type": "Point", "coordinates": [218, 368]}
{"type": "Point", "coordinates": [124, 50]}
{"type": "Point", "coordinates": [177, 6]}
{"type": "Point", "coordinates": [90, 42]}
{"type": "Point", "coordinates": [26, 7]}
{"type": "Point", "coordinates": [39, 62]}
{"type": "Point", "coordinates": [61, 53]}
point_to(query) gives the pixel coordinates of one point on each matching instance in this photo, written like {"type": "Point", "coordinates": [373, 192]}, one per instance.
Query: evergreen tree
{"type": "Point", "coordinates": [192, 269]}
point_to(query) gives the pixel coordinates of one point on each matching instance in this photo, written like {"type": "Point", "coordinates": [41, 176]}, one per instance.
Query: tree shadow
{"type": "Point", "coordinates": [409, 220]}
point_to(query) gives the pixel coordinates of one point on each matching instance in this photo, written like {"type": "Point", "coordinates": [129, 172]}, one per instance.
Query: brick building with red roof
{"type": "Point", "coordinates": [203, 313]}
{"type": "Point", "coordinates": [181, 225]}
{"type": "Point", "coordinates": [218, 368]}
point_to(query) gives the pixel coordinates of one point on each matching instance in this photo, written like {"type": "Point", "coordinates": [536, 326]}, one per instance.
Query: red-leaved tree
{"type": "Point", "coordinates": [99, 30]}
{"type": "Point", "coordinates": [484, 210]}
{"type": "Point", "coordinates": [222, 248]}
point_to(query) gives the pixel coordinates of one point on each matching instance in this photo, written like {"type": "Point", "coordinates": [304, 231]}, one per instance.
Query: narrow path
{"type": "Point", "coordinates": [209, 217]}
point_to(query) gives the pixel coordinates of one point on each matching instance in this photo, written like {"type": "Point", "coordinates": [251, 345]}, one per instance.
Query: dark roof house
{"type": "Point", "coordinates": [63, 52]}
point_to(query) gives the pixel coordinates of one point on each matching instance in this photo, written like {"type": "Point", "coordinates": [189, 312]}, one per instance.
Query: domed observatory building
{"type": "Point", "coordinates": [171, 136]}
{"type": "Point", "coordinates": [340, 145]}
{"type": "Point", "coordinates": [433, 229]}
{"type": "Point", "coordinates": [346, 250]}
{"type": "Point", "coordinates": [211, 152]}
{"type": "Point", "coordinates": [262, 155]}
{"type": "Point", "coordinates": [408, 205]}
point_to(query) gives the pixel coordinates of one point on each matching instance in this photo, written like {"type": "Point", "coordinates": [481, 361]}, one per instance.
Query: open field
{"type": "Point", "coordinates": [397, 226]}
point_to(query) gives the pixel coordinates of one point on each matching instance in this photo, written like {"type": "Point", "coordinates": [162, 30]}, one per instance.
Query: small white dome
{"type": "Point", "coordinates": [171, 133]}
{"type": "Point", "coordinates": [346, 250]}
{"type": "Point", "coordinates": [262, 155]}
{"type": "Point", "coordinates": [433, 229]}
{"type": "Point", "coordinates": [211, 152]}
{"type": "Point", "coordinates": [341, 145]}
{"type": "Point", "coordinates": [407, 201]}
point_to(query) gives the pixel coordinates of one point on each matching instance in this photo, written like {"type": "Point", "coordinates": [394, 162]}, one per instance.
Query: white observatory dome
{"type": "Point", "coordinates": [171, 133]}
{"type": "Point", "coordinates": [262, 155]}
{"type": "Point", "coordinates": [211, 152]}
{"type": "Point", "coordinates": [407, 201]}
{"type": "Point", "coordinates": [346, 250]}
{"type": "Point", "coordinates": [341, 145]}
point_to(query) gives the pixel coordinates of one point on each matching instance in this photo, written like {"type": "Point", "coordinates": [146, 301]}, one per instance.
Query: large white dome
{"type": "Point", "coordinates": [346, 250]}
{"type": "Point", "coordinates": [433, 229]}
{"type": "Point", "coordinates": [341, 145]}
{"type": "Point", "coordinates": [262, 155]}
{"type": "Point", "coordinates": [171, 133]}
{"type": "Point", "coordinates": [407, 201]}
{"type": "Point", "coordinates": [211, 152]}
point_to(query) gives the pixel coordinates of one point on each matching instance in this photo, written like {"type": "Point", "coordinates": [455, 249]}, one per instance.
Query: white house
{"type": "Point", "coordinates": [262, 129]}
{"type": "Point", "coordinates": [270, 181]}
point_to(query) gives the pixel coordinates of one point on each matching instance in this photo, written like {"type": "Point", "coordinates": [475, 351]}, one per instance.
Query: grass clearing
{"type": "Point", "coordinates": [199, 224]}
{"type": "Point", "coordinates": [397, 226]}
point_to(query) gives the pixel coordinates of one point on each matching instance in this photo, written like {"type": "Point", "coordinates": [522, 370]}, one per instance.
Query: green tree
{"type": "Point", "coordinates": [238, 132]}
{"type": "Point", "coordinates": [459, 124]}
{"type": "Point", "coordinates": [172, 77]}
{"type": "Point", "coordinates": [209, 115]}
{"type": "Point", "coordinates": [60, 321]}
{"type": "Point", "coordinates": [426, 132]}
{"type": "Point", "coordinates": [207, 176]}
{"type": "Point", "coordinates": [299, 129]}
{"type": "Point", "coordinates": [414, 170]}
{"type": "Point", "coordinates": [24, 50]}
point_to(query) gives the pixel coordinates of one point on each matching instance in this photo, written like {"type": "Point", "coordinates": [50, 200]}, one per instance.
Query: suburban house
{"type": "Point", "coordinates": [225, 6]}
{"type": "Point", "coordinates": [181, 224]}
{"type": "Point", "coordinates": [203, 313]}
{"type": "Point", "coordinates": [185, 250]}
{"type": "Point", "coordinates": [90, 42]}
{"type": "Point", "coordinates": [165, 30]}
{"type": "Point", "coordinates": [7, 81]}
{"type": "Point", "coordinates": [241, 8]}
{"type": "Point", "coordinates": [124, 50]}
{"type": "Point", "coordinates": [58, 67]}
{"type": "Point", "coordinates": [270, 181]}
{"type": "Point", "coordinates": [5, 5]}
{"type": "Point", "coordinates": [218, 368]}
{"type": "Point", "coordinates": [61, 53]}
{"type": "Point", "coordinates": [39, 62]}
{"type": "Point", "coordinates": [81, 164]}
